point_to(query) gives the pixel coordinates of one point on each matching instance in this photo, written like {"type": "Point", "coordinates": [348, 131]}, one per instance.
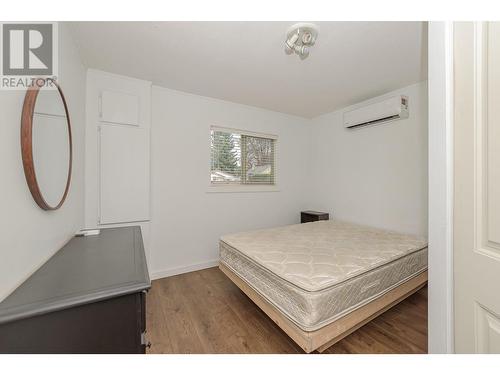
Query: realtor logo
{"type": "Point", "coordinates": [29, 51]}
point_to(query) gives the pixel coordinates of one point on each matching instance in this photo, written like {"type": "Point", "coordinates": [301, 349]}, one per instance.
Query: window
{"type": "Point", "coordinates": [241, 158]}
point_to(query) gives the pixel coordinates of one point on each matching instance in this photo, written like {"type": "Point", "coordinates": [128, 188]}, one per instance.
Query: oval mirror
{"type": "Point", "coordinates": [46, 144]}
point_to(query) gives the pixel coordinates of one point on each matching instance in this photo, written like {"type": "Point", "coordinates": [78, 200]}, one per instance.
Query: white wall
{"type": "Point", "coordinates": [440, 188]}
{"type": "Point", "coordinates": [186, 220]}
{"type": "Point", "coordinates": [374, 175]}
{"type": "Point", "coordinates": [29, 235]}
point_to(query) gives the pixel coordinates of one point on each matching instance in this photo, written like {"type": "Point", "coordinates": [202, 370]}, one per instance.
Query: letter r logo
{"type": "Point", "coordinates": [27, 49]}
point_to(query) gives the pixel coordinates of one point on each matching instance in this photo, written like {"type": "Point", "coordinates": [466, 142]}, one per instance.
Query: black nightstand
{"type": "Point", "coordinates": [308, 216]}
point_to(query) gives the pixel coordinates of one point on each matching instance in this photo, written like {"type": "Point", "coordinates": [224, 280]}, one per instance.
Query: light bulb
{"type": "Point", "coordinates": [304, 52]}
{"type": "Point", "coordinates": [307, 38]}
{"type": "Point", "coordinates": [290, 43]}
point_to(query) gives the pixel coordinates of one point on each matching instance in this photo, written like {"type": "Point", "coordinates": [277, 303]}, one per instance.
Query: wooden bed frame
{"type": "Point", "coordinates": [328, 335]}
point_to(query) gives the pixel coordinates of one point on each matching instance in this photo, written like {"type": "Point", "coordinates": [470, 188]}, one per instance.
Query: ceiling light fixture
{"type": "Point", "coordinates": [300, 37]}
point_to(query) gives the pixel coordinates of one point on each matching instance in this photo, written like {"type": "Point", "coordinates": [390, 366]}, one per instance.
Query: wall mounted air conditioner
{"type": "Point", "coordinates": [395, 108]}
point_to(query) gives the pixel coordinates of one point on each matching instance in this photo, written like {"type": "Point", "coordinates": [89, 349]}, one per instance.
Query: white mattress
{"type": "Point", "coordinates": [317, 272]}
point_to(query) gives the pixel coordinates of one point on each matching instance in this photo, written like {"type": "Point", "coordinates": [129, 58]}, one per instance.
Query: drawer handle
{"type": "Point", "coordinates": [144, 341]}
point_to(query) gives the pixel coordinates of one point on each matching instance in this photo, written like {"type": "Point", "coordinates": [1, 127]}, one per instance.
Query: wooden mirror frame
{"type": "Point", "coordinates": [27, 143]}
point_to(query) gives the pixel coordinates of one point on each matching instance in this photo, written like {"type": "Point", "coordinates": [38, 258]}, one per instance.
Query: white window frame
{"type": "Point", "coordinates": [242, 188]}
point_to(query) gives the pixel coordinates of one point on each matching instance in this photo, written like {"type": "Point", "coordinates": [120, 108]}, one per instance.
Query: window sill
{"type": "Point", "coordinates": [243, 189]}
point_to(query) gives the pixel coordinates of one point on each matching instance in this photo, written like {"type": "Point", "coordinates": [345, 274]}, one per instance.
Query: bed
{"type": "Point", "coordinates": [320, 281]}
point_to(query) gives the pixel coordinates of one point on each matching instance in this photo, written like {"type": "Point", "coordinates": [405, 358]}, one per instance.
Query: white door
{"type": "Point", "coordinates": [477, 187]}
{"type": "Point", "coordinates": [124, 174]}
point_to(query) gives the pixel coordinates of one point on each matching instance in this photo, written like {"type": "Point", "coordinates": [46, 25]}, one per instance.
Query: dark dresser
{"type": "Point", "coordinates": [90, 297]}
{"type": "Point", "coordinates": [308, 216]}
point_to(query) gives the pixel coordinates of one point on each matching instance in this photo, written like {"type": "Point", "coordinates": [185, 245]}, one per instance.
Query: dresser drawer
{"type": "Point", "coordinates": [110, 326]}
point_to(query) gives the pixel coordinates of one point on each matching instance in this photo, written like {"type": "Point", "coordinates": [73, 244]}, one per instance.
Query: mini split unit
{"type": "Point", "coordinates": [395, 108]}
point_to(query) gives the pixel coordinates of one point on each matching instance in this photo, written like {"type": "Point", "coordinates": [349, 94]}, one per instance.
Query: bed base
{"type": "Point", "coordinates": [328, 335]}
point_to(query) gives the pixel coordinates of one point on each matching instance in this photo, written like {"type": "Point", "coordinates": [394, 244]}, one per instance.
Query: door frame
{"type": "Point", "coordinates": [441, 98]}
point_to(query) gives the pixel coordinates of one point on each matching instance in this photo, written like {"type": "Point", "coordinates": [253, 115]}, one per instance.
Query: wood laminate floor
{"type": "Point", "coordinates": [204, 312]}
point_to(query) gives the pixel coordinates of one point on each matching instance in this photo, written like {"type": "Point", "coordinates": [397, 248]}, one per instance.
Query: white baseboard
{"type": "Point", "coordinates": [185, 269]}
